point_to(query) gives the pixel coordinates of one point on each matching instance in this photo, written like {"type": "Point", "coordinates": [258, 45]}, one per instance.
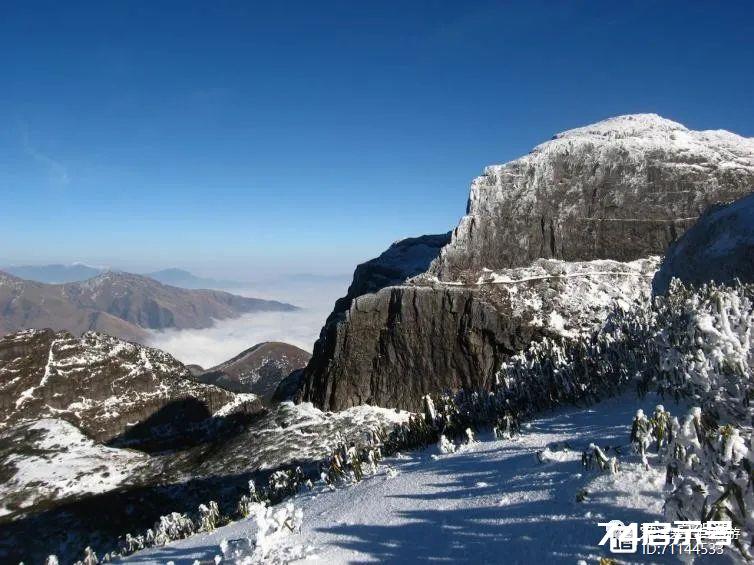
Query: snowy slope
{"type": "Point", "coordinates": [99, 383]}
{"type": "Point", "coordinates": [58, 462]}
{"type": "Point", "coordinates": [490, 502]}
{"type": "Point", "coordinates": [565, 298]}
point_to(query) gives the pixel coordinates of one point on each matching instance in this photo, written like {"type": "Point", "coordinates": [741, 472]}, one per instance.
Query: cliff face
{"type": "Point", "coordinates": [594, 199]}
{"type": "Point", "coordinates": [719, 248]}
{"type": "Point", "coordinates": [394, 346]}
{"type": "Point", "coordinates": [620, 189]}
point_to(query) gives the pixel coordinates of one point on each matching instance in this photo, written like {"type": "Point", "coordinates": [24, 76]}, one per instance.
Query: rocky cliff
{"type": "Point", "coordinates": [719, 248]}
{"type": "Point", "coordinates": [592, 199]}
{"type": "Point", "coordinates": [619, 189]}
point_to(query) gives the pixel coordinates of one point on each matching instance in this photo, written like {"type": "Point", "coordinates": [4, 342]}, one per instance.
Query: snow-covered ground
{"type": "Point", "coordinates": [490, 502]}
{"type": "Point", "coordinates": [56, 461]}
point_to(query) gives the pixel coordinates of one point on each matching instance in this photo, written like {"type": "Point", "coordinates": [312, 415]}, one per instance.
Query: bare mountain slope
{"type": "Point", "coordinates": [120, 304]}
{"type": "Point", "coordinates": [258, 370]}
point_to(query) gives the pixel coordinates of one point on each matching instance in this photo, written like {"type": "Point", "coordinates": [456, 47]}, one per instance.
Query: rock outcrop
{"type": "Point", "coordinates": [719, 248]}
{"type": "Point", "coordinates": [593, 200]}
{"type": "Point", "coordinates": [622, 189]}
{"type": "Point", "coordinates": [101, 384]}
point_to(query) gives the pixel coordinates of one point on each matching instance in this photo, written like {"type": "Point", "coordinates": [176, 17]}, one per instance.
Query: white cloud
{"type": "Point", "coordinates": [227, 338]}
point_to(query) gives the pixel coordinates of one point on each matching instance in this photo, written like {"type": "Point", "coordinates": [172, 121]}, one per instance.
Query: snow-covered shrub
{"type": "Point", "coordinates": [265, 544]}
{"type": "Point", "coordinates": [595, 456]}
{"type": "Point", "coordinates": [444, 445]}
{"type": "Point", "coordinates": [90, 558]}
{"type": "Point", "coordinates": [208, 516]}
{"type": "Point", "coordinates": [246, 502]}
{"type": "Point", "coordinates": [708, 468]}
{"type": "Point", "coordinates": [172, 527]}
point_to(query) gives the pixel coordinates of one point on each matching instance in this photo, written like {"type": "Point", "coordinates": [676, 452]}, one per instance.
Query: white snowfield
{"type": "Point", "coordinates": [489, 502]}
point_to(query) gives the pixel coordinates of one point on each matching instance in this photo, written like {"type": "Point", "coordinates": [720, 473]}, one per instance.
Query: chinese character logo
{"type": "Point", "coordinates": [623, 538]}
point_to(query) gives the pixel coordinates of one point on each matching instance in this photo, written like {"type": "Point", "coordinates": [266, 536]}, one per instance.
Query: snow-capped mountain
{"type": "Point", "coordinates": [101, 384]}
{"type": "Point", "coordinates": [120, 304]}
{"type": "Point", "coordinates": [619, 190]}
{"type": "Point", "coordinates": [622, 189]}
{"type": "Point", "coordinates": [258, 370]}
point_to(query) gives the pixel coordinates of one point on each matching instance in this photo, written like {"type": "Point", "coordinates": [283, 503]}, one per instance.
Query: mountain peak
{"type": "Point", "coordinates": [627, 125]}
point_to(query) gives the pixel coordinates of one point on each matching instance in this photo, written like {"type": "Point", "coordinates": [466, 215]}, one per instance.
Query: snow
{"type": "Point", "coordinates": [568, 298]}
{"type": "Point", "coordinates": [487, 500]}
{"type": "Point", "coordinates": [717, 248]}
{"type": "Point", "coordinates": [617, 158]}
{"type": "Point", "coordinates": [61, 462]}
{"type": "Point", "coordinates": [236, 402]}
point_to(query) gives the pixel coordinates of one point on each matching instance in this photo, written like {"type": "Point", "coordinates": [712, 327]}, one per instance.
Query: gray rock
{"type": "Point", "coordinates": [394, 346]}
{"type": "Point", "coordinates": [621, 189]}
{"type": "Point", "coordinates": [719, 248]}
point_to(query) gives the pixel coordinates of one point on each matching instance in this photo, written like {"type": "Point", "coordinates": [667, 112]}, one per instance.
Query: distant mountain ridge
{"type": "Point", "coordinates": [54, 274]}
{"type": "Point", "coordinates": [79, 272]}
{"type": "Point", "coordinates": [120, 304]}
{"type": "Point", "coordinates": [185, 279]}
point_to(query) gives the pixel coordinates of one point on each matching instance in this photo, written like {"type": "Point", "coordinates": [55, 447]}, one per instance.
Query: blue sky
{"type": "Point", "coordinates": [245, 138]}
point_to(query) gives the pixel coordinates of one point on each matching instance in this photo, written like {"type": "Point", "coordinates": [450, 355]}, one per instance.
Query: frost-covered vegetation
{"type": "Point", "coordinates": [693, 344]}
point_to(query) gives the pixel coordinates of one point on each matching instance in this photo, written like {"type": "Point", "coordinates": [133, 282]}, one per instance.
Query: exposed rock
{"type": "Point", "coordinates": [403, 259]}
{"type": "Point", "coordinates": [195, 369]}
{"type": "Point", "coordinates": [288, 388]}
{"type": "Point", "coordinates": [119, 304]}
{"type": "Point", "coordinates": [622, 189]}
{"type": "Point", "coordinates": [398, 344]}
{"type": "Point", "coordinates": [617, 190]}
{"type": "Point", "coordinates": [719, 248]}
{"type": "Point", "coordinates": [99, 383]}
{"type": "Point", "coordinates": [258, 370]}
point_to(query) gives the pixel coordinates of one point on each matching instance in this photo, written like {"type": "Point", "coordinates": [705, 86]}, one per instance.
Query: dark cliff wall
{"type": "Point", "coordinates": [394, 346]}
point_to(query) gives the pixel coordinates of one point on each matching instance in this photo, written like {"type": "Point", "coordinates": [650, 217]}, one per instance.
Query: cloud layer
{"type": "Point", "coordinates": [227, 338]}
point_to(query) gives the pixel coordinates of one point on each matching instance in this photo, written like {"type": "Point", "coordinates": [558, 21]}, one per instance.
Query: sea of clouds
{"type": "Point", "coordinates": [208, 347]}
